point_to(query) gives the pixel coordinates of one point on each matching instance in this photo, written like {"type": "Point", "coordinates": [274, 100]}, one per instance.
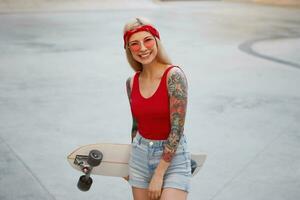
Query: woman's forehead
{"type": "Point", "coordinates": [139, 35]}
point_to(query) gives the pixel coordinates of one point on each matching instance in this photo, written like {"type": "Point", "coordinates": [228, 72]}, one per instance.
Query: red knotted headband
{"type": "Point", "coordinates": [147, 28]}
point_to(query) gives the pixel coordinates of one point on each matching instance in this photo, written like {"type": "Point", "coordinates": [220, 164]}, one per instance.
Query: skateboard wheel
{"type": "Point", "coordinates": [94, 158]}
{"type": "Point", "coordinates": [84, 184]}
{"type": "Point", "coordinates": [193, 165]}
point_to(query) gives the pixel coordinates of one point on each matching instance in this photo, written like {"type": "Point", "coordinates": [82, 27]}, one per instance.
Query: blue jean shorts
{"type": "Point", "coordinates": [145, 156]}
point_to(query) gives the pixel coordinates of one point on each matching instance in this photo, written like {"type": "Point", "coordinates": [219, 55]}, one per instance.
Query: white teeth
{"type": "Point", "coordinates": [144, 55]}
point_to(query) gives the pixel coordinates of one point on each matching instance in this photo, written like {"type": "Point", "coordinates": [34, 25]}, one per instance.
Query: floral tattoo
{"type": "Point", "coordinates": [177, 89]}
{"type": "Point", "coordinates": [134, 122]}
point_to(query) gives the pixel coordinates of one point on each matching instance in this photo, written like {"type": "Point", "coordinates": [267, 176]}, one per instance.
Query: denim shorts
{"type": "Point", "coordinates": [145, 156]}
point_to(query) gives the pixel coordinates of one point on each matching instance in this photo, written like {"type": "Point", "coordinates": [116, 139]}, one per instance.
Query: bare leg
{"type": "Point", "coordinates": [173, 194]}
{"type": "Point", "coordinates": [140, 194]}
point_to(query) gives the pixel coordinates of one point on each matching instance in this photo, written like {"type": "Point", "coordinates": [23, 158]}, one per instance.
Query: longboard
{"type": "Point", "coordinates": [110, 160]}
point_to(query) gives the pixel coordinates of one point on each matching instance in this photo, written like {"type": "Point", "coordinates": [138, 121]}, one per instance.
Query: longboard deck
{"type": "Point", "coordinates": [115, 159]}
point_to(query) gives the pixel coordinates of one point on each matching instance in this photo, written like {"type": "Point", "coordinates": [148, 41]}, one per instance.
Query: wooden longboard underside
{"type": "Point", "coordinates": [115, 159]}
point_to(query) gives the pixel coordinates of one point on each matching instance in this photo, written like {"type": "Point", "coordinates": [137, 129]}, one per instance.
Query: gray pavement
{"type": "Point", "coordinates": [9, 6]}
{"type": "Point", "coordinates": [62, 85]}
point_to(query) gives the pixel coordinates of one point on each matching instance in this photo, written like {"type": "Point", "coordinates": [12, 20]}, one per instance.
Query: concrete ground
{"type": "Point", "coordinates": [62, 85]}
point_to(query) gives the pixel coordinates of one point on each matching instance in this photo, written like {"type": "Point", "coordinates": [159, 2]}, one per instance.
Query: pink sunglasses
{"type": "Point", "coordinates": [136, 46]}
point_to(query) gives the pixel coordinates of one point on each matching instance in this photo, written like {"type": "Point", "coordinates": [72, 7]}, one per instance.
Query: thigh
{"type": "Point", "coordinates": [140, 194]}
{"type": "Point", "coordinates": [173, 194]}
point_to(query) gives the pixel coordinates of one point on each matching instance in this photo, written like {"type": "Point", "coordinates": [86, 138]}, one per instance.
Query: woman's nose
{"type": "Point", "coordinates": [143, 48]}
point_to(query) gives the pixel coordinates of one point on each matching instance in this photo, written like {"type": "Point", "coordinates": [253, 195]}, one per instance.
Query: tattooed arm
{"type": "Point", "coordinates": [134, 123]}
{"type": "Point", "coordinates": [177, 88]}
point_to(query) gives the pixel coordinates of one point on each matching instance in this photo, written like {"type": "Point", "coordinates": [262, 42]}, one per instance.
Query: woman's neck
{"type": "Point", "coordinates": [153, 70]}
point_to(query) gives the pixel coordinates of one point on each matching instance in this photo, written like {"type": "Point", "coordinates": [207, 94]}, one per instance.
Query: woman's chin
{"type": "Point", "coordinates": [146, 61]}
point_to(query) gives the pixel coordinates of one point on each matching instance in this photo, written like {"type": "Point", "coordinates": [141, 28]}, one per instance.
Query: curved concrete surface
{"type": "Point", "coordinates": [268, 48]}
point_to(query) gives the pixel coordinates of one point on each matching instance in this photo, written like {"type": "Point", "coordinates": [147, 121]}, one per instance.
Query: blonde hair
{"type": "Point", "coordinates": [162, 56]}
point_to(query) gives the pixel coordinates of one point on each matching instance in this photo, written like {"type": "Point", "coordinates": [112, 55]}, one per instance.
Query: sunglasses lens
{"type": "Point", "coordinates": [149, 43]}
{"type": "Point", "coordinates": [134, 47]}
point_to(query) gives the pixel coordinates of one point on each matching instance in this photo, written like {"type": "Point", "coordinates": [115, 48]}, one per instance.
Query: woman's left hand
{"type": "Point", "coordinates": [126, 178]}
{"type": "Point", "coordinates": [154, 190]}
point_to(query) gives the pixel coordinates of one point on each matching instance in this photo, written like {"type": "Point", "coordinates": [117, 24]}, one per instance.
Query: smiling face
{"type": "Point", "coordinates": [142, 46]}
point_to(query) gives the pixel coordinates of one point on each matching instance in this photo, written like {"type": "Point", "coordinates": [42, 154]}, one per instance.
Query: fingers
{"type": "Point", "coordinates": [155, 187]}
{"type": "Point", "coordinates": [154, 194]}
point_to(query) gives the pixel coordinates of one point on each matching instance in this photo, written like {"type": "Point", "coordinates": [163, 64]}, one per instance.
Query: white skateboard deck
{"type": "Point", "coordinates": [115, 159]}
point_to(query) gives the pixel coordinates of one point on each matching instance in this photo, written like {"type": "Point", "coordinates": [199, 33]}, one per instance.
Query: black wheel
{"type": "Point", "coordinates": [94, 158]}
{"type": "Point", "coordinates": [193, 166]}
{"type": "Point", "coordinates": [84, 184]}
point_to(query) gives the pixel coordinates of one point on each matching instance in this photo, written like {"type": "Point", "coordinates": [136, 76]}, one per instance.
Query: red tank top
{"type": "Point", "coordinates": [152, 114]}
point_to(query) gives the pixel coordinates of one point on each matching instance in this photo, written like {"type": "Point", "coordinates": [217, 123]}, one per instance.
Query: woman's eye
{"type": "Point", "coordinates": [148, 39]}
{"type": "Point", "coordinates": [132, 44]}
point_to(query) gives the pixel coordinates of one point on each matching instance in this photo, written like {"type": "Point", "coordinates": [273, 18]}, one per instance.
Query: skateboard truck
{"type": "Point", "coordinates": [86, 163]}
{"type": "Point", "coordinates": [193, 165]}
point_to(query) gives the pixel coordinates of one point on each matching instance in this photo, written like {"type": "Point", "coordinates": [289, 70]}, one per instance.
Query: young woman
{"type": "Point", "coordinates": [160, 164]}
